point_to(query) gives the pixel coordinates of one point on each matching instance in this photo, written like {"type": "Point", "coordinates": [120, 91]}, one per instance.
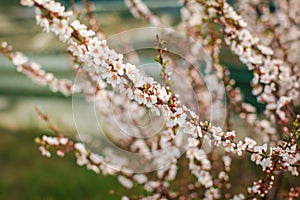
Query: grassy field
{"type": "Point", "coordinates": [25, 174]}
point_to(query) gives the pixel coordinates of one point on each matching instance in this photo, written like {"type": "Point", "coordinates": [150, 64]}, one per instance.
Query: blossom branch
{"type": "Point", "coordinates": [140, 10]}
{"type": "Point", "coordinates": [144, 90]}
{"type": "Point", "coordinates": [33, 71]}
{"type": "Point", "coordinates": [273, 80]}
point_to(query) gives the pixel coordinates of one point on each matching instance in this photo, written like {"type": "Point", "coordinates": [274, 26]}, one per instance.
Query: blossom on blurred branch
{"type": "Point", "coordinates": [207, 173]}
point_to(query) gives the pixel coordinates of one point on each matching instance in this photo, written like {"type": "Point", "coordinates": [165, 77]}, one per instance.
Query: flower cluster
{"type": "Point", "coordinates": [276, 29]}
{"type": "Point", "coordinates": [33, 71]}
{"type": "Point", "coordinates": [139, 10]}
{"type": "Point", "coordinates": [195, 16]}
{"type": "Point", "coordinates": [293, 193]}
{"type": "Point", "coordinates": [261, 187]}
{"type": "Point", "coordinates": [273, 79]}
{"type": "Point", "coordinates": [280, 157]}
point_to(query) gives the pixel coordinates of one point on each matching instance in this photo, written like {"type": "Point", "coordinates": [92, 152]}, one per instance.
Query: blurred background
{"type": "Point", "coordinates": [24, 173]}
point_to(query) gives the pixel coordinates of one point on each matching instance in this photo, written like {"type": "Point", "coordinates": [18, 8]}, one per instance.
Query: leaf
{"type": "Point", "coordinates": [165, 63]}
{"type": "Point", "coordinates": [158, 59]}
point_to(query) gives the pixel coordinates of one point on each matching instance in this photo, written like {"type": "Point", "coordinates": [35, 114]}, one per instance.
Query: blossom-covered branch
{"type": "Point", "coordinates": [112, 81]}
{"type": "Point", "coordinates": [273, 81]}
{"type": "Point", "coordinates": [33, 71]}
{"type": "Point", "coordinates": [142, 89]}
{"type": "Point", "coordinates": [140, 10]}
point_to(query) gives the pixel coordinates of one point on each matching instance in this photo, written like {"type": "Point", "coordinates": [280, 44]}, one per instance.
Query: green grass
{"type": "Point", "coordinates": [25, 174]}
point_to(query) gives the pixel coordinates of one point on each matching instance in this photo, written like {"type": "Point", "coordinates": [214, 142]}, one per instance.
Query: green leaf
{"type": "Point", "coordinates": [158, 59]}
{"type": "Point", "coordinates": [165, 63]}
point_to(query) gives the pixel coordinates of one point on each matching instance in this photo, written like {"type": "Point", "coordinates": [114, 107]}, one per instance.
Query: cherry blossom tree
{"type": "Point", "coordinates": [266, 40]}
